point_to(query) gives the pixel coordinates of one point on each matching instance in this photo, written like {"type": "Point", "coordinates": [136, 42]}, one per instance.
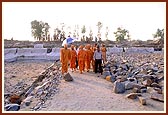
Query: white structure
{"type": "Point", "coordinates": [14, 54]}
{"type": "Point", "coordinates": [130, 50]}
{"type": "Point", "coordinates": [38, 46]}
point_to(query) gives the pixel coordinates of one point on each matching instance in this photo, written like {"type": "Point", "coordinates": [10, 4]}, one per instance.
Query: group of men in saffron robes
{"type": "Point", "coordinates": [83, 58]}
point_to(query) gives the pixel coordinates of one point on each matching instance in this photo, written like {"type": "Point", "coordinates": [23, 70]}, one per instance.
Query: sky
{"type": "Point", "coordinates": [142, 19]}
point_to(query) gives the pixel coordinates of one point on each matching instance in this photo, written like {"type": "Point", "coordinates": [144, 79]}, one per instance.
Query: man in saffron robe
{"type": "Point", "coordinates": [104, 50]}
{"type": "Point", "coordinates": [76, 49]}
{"type": "Point", "coordinates": [65, 57]}
{"type": "Point", "coordinates": [94, 47]}
{"type": "Point", "coordinates": [73, 58]}
{"type": "Point", "coordinates": [89, 57]}
{"type": "Point", "coordinates": [81, 59]}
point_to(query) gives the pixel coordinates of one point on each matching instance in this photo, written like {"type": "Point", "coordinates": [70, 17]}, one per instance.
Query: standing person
{"type": "Point", "coordinates": [98, 60]}
{"type": "Point", "coordinates": [94, 47]}
{"type": "Point", "coordinates": [104, 50]}
{"type": "Point", "coordinates": [65, 56]}
{"type": "Point", "coordinates": [77, 50]}
{"type": "Point", "coordinates": [81, 59]}
{"type": "Point", "coordinates": [73, 58]}
{"type": "Point", "coordinates": [85, 50]}
{"type": "Point", "coordinates": [89, 56]}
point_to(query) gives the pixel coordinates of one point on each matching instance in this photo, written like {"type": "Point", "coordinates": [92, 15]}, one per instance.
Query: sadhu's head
{"type": "Point", "coordinates": [103, 45]}
{"type": "Point", "coordinates": [89, 46]}
{"type": "Point", "coordinates": [72, 47]}
{"type": "Point", "coordinates": [81, 47]}
{"type": "Point", "coordinates": [95, 44]}
{"type": "Point", "coordinates": [86, 47]}
{"type": "Point", "coordinates": [65, 46]}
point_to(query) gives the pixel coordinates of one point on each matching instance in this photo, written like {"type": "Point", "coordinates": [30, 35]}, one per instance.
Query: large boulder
{"type": "Point", "coordinates": [106, 69]}
{"type": "Point", "coordinates": [154, 84]}
{"type": "Point", "coordinates": [12, 107]}
{"type": "Point", "coordinates": [135, 90]}
{"type": "Point", "coordinates": [118, 87]}
{"type": "Point", "coordinates": [158, 97]}
{"type": "Point", "coordinates": [129, 85]}
{"type": "Point", "coordinates": [67, 77]}
{"type": "Point", "coordinates": [147, 82]}
{"type": "Point", "coordinates": [142, 100]}
{"type": "Point", "coordinates": [133, 95]}
{"type": "Point", "coordinates": [121, 78]}
{"type": "Point", "coordinates": [106, 73]}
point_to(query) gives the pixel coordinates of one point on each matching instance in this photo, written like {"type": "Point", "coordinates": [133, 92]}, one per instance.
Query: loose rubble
{"type": "Point", "coordinates": [35, 95]}
{"type": "Point", "coordinates": [132, 75]}
{"type": "Point", "coordinates": [140, 73]}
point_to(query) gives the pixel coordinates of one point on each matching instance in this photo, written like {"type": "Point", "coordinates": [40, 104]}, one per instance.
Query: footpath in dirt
{"type": "Point", "coordinates": [91, 93]}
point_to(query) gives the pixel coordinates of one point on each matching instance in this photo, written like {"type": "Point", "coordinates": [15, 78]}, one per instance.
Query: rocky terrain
{"type": "Point", "coordinates": [134, 82]}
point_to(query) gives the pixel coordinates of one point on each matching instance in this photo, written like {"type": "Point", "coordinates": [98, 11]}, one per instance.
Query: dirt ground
{"type": "Point", "coordinates": [86, 93]}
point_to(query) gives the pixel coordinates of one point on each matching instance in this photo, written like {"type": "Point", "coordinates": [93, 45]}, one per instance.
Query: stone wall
{"type": "Point", "coordinates": [52, 54]}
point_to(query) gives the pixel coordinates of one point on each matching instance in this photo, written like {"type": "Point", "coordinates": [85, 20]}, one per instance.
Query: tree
{"type": "Point", "coordinates": [46, 30]}
{"type": "Point", "coordinates": [39, 30]}
{"type": "Point", "coordinates": [99, 25]}
{"type": "Point", "coordinates": [83, 32]}
{"type": "Point", "coordinates": [120, 34]}
{"type": "Point", "coordinates": [159, 34]}
{"type": "Point", "coordinates": [57, 33]}
{"type": "Point", "coordinates": [128, 36]}
{"type": "Point", "coordinates": [36, 29]}
{"type": "Point", "coordinates": [91, 34]}
{"type": "Point", "coordinates": [106, 34]}
{"type": "Point", "coordinates": [62, 32]}
{"type": "Point", "coordinates": [83, 29]}
{"type": "Point", "coordinates": [77, 31]}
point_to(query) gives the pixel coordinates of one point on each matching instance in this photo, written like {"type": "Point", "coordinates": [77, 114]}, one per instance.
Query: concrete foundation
{"type": "Point", "coordinates": [14, 54]}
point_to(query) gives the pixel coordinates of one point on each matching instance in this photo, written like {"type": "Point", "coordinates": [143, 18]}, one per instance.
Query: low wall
{"type": "Point", "coordinates": [130, 50]}
{"type": "Point", "coordinates": [14, 54]}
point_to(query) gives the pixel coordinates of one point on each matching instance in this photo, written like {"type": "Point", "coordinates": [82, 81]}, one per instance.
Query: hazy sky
{"type": "Point", "coordinates": [141, 19]}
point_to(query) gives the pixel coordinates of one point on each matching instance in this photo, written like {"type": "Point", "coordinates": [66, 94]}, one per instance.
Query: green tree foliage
{"type": "Point", "coordinates": [121, 34]}
{"type": "Point", "coordinates": [57, 32]}
{"type": "Point", "coordinates": [46, 30]}
{"type": "Point", "coordinates": [159, 34]}
{"type": "Point", "coordinates": [83, 29]}
{"type": "Point", "coordinates": [99, 25]}
{"type": "Point", "coordinates": [38, 28]}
